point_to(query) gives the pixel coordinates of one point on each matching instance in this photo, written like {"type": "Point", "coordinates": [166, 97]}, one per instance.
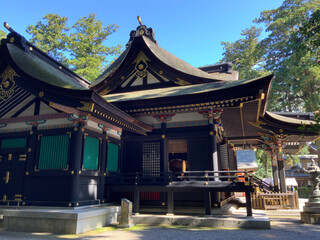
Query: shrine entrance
{"type": "Point", "coordinates": [178, 155]}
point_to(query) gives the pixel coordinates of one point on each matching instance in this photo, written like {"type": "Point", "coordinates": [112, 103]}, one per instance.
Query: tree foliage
{"type": "Point", "coordinates": [264, 164]}
{"type": "Point", "coordinates": [79, 47]}
{"type": "Point", "coordinates": [246, 54]}
{"type": "Point", "coordinates": [291, 51]}
{"type": "Point", "coordinates": [51, 36]}
{"type": "Point", "coordinates": [297, 79]}
{"type": "Point", "coordinates": [2, 34]}
{"type": "Point", "coordinates": [88, 53]}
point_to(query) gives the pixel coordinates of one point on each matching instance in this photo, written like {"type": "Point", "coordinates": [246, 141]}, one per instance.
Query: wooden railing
{"type": "Point", "coordinates": [267, 201]}
{"type": "Point", "coordinates": [264, 186]}
{"type": "Point", "coordinates": [151, 178]}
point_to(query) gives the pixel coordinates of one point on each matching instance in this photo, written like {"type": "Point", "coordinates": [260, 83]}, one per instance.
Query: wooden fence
{"type": "Point", "coordinates": [268, 201]}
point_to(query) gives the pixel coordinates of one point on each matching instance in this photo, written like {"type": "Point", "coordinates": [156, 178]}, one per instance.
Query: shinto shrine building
{"type": "Point", "coordinates": [151, 128]}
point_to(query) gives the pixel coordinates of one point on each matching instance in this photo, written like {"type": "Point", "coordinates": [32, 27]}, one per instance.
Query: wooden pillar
{"type": "Point", "coordinates": [281, 171]}
{"type": "Point", "coordinates": [136, 200]}
{"type": "Point", "coordinates": [31, 157]}
{"type": "Point", "coordinates": [213, 164]}
{"type": "Point", "coordinates": [248, 203]}
{"type": "Point", "coordinates": [170, 202]}
{"type": "Point", "coordinates": [103, 161]}
{"type": "Point", "coordinates": [207, 202]}
{"type": "Point", "coordinates": [275, 170]}
{"type": "Point", "coordinates": [33, 143]}
{"type": "Point", "coordinates": [213, 149]}
{"type": "Point", "coordinates": [75, 163]}
{"type": "Point", "coordinates": [164, 147]}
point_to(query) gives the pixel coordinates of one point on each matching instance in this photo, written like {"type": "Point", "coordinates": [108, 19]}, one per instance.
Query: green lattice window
{"type": "Point", "coordinates": [113, 157]}
{"type": "Point", "coordinates": [13, 143]}
{"type": "Point", "coordinates": [91, 153]}
{"type": "Point", "coordinates": [54, 152]}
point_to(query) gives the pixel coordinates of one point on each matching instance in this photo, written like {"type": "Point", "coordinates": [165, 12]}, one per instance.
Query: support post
{"type": "Point", "coordinates": [136, 200]}
{"type": "Point", "coordinates": [31, 155]}
{"type": "Point", "coordinates": [207, 202]}
{"type": "Point", "coordinates": [103, 168]}
{"type": "Point", "coordinates": [248, 203]}
{"type": "Point", "coordinates": [170, 202]}
{"type": "Point", "coordinates": [164, 151]}
{"type": "Point", "coordinates": [282, 176]}
{"type": "Point", "coordinates": [213, 150]}
{"type": "Point", "coordinates": [275, 171]}
{"type": "Point", "coordinates": [75, 164]}
{"type": "Point", "coordinates": [213, 158]}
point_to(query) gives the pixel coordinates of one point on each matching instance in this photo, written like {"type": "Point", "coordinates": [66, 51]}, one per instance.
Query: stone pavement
{"type": "Point", "coordinates": [281, 228]}
{"type": "Point", "coordinates": [285, 224]}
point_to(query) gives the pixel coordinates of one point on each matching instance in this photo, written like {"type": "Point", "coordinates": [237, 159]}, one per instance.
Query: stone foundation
{"type": "Point", "coordinates": [60, 221]}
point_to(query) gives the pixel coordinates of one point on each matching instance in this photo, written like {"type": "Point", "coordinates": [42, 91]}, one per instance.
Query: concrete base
{"type": "Point", "coordinates": [258, 221]}
{"type": "Point", "coordinates": [60, 221]}
{"type": "Point", "coordinates": [1, 220]}
{"type": "Point", "coordinates": [311, 213]}
{"type": "Point", "coordinates": [129, 225]}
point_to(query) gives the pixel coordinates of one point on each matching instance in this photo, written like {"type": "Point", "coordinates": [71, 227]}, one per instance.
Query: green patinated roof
{"type": "Point", "coordinates": [176, 91]}
{"type": "Point", "coordinates": [41, 70]}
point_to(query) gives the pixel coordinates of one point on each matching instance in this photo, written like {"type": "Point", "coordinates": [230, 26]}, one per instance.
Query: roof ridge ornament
{"type": "Point", "coordinates": [139, 20]}
{"type": "Point", "coordinates": [141, 30]}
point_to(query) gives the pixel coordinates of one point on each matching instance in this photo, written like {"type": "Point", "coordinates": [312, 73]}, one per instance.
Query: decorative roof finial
{"type": "Point", "coordinates": [139, 20]}
{"type": "Point", "coordinates": [7, 26]}
{"type": "Point", "coordinates": [141, 30]}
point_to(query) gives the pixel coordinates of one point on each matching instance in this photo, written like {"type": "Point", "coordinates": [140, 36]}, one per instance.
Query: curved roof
{"type": "Point", "coordinates": [42, 76]}
{"type": "Point", "coordinates": [41, 70]}
{"type": "Point", "coordinates": [187, 90]}
{"type": "Point", "coordinates": [172, 68]}
{"type": "Point", "coordinates": [291, 120]}
{"type": "Point", "coordinates": [111, 69]}
{"type": "Point", "coordinates": [176, 63]}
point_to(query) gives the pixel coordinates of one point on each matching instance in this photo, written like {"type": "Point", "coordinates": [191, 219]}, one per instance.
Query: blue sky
{"type": "Point", "coordinates": [190, 29]}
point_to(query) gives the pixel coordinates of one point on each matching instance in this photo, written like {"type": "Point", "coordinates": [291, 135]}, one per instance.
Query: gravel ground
{"type": "Point", "coordinates": [281, 228]}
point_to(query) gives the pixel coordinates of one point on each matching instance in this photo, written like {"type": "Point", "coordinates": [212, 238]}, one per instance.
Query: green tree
{"type": "Point", "coordinates": [309, 36]}
{"type": "Point", "coordinates": [264, 164]}
{"type": "Point", "coordinates": [89, 56]}
{"type": "Point", "coordinates": [2, 34]}
{"type": "Point", "coordinates": [51, 36]}
{"type": "Point", "coordinates": [246, 54]}
{"type": "Point", "coordinates": [297, 78]}
{"type": "Point", "coordinates": [79, 47]}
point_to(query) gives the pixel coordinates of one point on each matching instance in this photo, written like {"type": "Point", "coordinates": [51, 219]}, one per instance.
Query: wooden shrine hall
{"type": "Point", "coordinates": [151, 128]}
